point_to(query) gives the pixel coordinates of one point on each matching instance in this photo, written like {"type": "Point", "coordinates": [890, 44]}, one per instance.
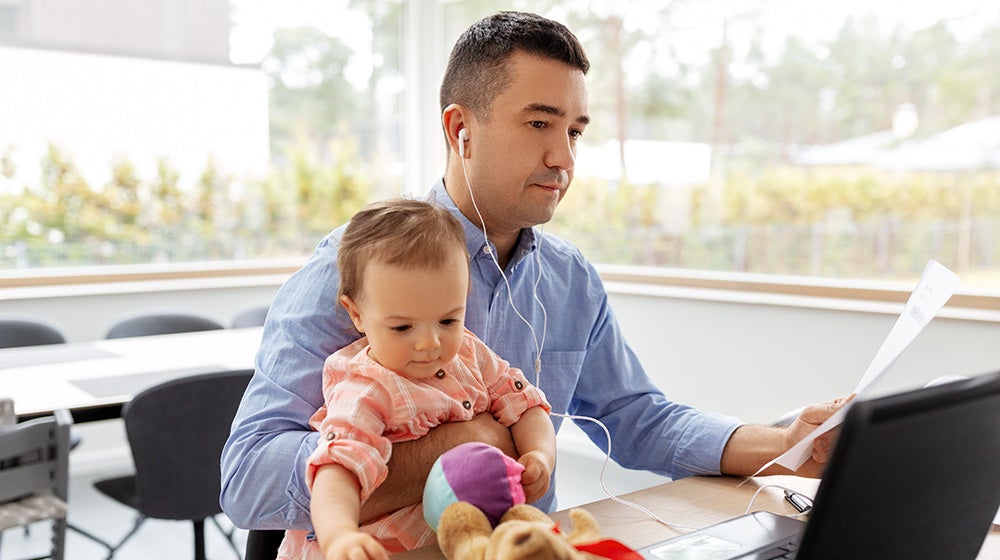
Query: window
{"type": "Point", "coordinates": [850, 140]}
{"type": "Point", "coordinates": [138, 132]}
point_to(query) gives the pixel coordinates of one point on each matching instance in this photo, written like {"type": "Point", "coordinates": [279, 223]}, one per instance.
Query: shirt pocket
{"type": "Point", "coordinates": [559, 376]}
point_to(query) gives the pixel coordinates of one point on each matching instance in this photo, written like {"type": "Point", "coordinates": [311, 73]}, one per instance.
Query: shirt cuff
{"type": "Point", "coordinates": [700, 449]}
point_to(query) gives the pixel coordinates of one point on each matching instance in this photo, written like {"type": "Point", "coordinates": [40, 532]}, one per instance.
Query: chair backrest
{"type": "Point", "coordinates": [161, 323]}
{"type": "Point", "coordinates": [176, 431]}
{"type": "Point", "coordinates": [34, 457]}
{"type": "Point", "coordinates": [250, 317]}
{"type": "Point", "coordinates": [28, 331]}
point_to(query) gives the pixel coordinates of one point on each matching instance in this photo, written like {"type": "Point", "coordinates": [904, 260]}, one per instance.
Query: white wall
{"type": "Point", "coordinates": [757, 359]}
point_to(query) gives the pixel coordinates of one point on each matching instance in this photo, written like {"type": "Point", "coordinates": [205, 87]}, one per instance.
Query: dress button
{"type": "Point", "coordinates": [439, 374]}
{"type": "Point", "coordinates": [330, 436]}
{"type": "Point", "coordinates": [518, 385]}
{"type": "Point", "coordinates": [467, 405]}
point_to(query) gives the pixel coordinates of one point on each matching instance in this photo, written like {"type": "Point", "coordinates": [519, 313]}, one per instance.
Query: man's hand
{"type": "Point", "coordinates": [411, 461]}
{"type": "Point", "coordinates": [810, 419]}
{"type": "Point", "coordinates": [751, 447]}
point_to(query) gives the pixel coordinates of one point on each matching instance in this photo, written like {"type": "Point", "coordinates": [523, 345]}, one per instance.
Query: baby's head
{"type": "Point", "coordinates": [404, 279]}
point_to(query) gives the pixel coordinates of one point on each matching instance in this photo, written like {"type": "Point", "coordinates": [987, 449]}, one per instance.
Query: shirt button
{"type": "Point", "coordinates": [330, 436]}
{"type": "Point", "coordinates": [518, 385]}
{"type": "Point", "coordinates": [439, 374]}
{"type": "Point", "coordinates": [467, 405]}
{"type": "Point", "coordinates": [486, 249]}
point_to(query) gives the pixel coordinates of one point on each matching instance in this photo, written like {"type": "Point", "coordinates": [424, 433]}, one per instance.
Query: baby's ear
{"type": "Point", "coordinates": [353, 311]}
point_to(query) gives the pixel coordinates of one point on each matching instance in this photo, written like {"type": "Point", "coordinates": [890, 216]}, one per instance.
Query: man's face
{"type": "Point", "coordinates": [524, 152]}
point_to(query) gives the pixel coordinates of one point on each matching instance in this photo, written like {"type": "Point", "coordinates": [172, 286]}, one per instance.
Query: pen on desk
{"type": "Point", "coordinates": [798, 501]}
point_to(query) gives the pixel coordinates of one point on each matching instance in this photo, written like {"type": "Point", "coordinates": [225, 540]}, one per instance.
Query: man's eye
{"type": "Point", "coordinates": [538, 124]}
{"type": "Point", "coordinates": [575, 134]}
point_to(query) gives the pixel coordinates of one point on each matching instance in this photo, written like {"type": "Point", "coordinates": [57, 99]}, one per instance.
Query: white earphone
{"type": "Point", "coordinates": [463, 137]}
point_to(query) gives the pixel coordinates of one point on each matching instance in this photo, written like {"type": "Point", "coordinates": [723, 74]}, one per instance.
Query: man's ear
{"type": "Point", "coordinates": [353, 311]}
{"type": "Point", "coordinates": [454, 119]}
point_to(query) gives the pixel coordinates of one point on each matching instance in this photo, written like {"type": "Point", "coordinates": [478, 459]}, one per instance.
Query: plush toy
{"type": "Point", "coordinates": [476, 473]}
{"type": "Point", "coordinates": [473, 499]}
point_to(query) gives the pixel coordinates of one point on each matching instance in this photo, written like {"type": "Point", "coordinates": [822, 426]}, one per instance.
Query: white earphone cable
{"type": "Point", "coordinates": [540, 344]}
{"type": "Point", "coordinates": [496, 262]}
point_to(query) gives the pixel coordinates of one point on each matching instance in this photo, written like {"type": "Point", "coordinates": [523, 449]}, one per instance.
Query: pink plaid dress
{"type": "Point", "coordinates": [369, 407]}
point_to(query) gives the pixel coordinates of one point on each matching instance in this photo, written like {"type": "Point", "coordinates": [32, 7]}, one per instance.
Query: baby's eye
{"type": "Point", "coordinates": [449, 322]}
{"type": "Point", "coordinates": [400, 328]}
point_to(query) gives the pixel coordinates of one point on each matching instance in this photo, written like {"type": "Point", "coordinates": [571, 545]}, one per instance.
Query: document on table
{"type": "Point", "coordinates": [935, 287]}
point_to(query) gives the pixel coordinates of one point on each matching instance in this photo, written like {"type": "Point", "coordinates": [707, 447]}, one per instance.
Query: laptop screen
{"type": "Point", "coordinates": [913, 475]}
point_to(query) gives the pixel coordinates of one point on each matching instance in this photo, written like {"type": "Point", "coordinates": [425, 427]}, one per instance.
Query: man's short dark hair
{"type": "Point", "coordinates": [477, 70]}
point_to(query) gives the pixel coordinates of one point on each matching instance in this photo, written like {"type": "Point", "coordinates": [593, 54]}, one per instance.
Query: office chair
{"type": "Point", "coordinates": [147, 324]}
{"type": "Point", "coordinates": [250, 317]}
{"type": "Point", "coordinates": [176, 431]}
{"type": "Point", "coordinates": [34, 476]}
{"type": "Point", "coordinates": [16, 331]}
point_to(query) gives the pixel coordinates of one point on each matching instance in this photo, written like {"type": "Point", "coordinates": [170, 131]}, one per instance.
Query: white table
{"type": "Point", "coordinates": [94, 379]}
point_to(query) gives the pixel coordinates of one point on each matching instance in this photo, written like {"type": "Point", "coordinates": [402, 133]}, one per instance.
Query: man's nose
{"type": "Point", "coordinates": [561, 155]}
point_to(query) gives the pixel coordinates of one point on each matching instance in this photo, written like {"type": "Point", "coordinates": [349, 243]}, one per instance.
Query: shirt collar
{"type": "Point", "coordinates": [474, 240]}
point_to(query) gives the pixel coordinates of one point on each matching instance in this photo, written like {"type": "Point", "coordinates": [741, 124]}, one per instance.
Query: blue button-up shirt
{"type": "Point", "coordinates": [587, 369]}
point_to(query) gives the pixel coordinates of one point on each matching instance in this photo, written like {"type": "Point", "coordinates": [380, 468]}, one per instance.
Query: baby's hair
{"type": "Point", "coordinates": [401, 232]}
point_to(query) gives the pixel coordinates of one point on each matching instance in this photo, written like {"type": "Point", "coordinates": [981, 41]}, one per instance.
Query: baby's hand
{"type": "Point", "coordinates": [536, 475]}
{"type": "Point", "coordinates": [355, 545]}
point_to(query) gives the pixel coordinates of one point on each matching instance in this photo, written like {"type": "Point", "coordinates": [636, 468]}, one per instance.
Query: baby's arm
{"type": "Point", "coordinates": [335, 507]}
{"type": "Point", "coordinates": [535, 439]}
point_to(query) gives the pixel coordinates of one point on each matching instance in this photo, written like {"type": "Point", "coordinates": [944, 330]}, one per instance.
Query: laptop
{"type": "Point", "coordinates": [913, 475]}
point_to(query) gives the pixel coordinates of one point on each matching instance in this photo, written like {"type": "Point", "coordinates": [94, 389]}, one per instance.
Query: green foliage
{"type": "Point", "coordinates": [753, 104]}
{"type": "Point", "coordinates": [65, 221]}
{"type": "Point", "coordinates": [309, 90]}
{"type": "Point", "coordinates": [788, 195]}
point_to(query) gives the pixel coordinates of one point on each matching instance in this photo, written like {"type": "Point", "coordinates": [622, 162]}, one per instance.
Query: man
{"type": "Point", "coordinates": [514, 104]}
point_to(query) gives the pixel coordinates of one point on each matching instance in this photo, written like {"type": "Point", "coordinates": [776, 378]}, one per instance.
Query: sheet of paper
{"type": "Point", "coordinates": [935, 287]}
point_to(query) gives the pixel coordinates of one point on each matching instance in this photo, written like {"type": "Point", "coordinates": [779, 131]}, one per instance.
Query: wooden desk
{"type": "Point", "coordinates": [94, 379]}
{"type": "Point", "coordinates": [694, 501]}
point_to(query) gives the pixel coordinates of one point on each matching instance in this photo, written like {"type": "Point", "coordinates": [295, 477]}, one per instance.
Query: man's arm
{"type": "Point", "coordinates": [751, 447]}
{"type": "Point", "coordinates": [411, 461]}
{"type": "Point", "coordinates": [264, 460]}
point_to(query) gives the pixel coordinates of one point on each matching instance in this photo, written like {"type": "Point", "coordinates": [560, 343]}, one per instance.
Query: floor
{"type": "Point", "coordinates": [579, 481]}
{"type": "Point", "coordinates": [105, 518]}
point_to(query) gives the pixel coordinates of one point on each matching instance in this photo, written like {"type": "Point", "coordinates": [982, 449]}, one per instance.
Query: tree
{"type": "Point", "coordinates": [309, 91]}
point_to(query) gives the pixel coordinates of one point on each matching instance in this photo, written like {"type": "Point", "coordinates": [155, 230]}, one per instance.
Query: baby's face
{"type": "Point", "coordinates": [414, 318]}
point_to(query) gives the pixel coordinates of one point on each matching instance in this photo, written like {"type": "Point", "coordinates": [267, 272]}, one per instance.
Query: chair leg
{"type": "Point", "coordinates": [59, 539]}
{"type": "Point", "coordinates": [199, 539]}
{"type": "Point", "coordinates": [139, 520]}
{"type": "Point", "coordinates": [229, 536]}
{"type": "Point", "coordinates": [91, 536]}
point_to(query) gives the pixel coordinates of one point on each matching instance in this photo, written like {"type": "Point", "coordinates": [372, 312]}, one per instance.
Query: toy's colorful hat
{"type": "Point", "coordinates": [476, 473]}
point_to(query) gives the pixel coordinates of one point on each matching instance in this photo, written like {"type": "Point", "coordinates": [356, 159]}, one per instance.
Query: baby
{"type": "Point", "coordinates": [404, 271]}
